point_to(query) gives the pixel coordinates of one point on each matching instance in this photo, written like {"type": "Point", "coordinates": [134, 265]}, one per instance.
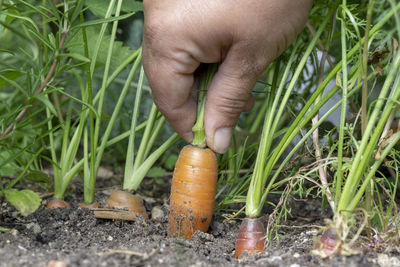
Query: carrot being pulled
{"type": "Point", "coordinates": [195, 177]}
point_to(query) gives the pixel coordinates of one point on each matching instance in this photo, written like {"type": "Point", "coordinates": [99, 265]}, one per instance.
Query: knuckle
{"type": "Point", "coordinates": [232, 106]}
{"type": "Point", "coordinates": [152, 28]}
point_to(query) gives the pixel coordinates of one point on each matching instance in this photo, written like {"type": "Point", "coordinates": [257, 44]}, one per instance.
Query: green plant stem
{"type": "Point", "coordinates": [256, 187]}
{"type": "Point", "coordinates": [302, 123]}
{"type": "Point", "coordinates": [105, 75]}
{"type": "Point", "coordinates": [100, 38]}
{"type": "Point", "coordinates": [357, 198]}
{"type": "Point", "coordinates": [199, 135]}
{"type": "Point", "coordinates": [364, 93]}
{"type": "Point", "coordinates": [339, 178]}
{"type": "Point", "coordinates": [117, 109]}
{"type": "Point", "coordinates": [139, 173]}
{"type": "Point", "coordinates": [261, 114]}
{"type": "Point", "coordinates": [254, 196]}
{"type": "Point", "coordinates": [78, 166]}
{"type": "Point", "coordinates": [372, 134]}
{"type": "Point", "coordinates": [155, 133]}
{"type": "Point", "coordinates": [88, 191]}
{"type": "Point", "coordinates": [286, 139]}
{"type": "Point", "coordinates": [364, 99]}
{"type": "Point", "coordinates": [140, 156]}
{"type": "Point", "coordinates": [26, 168]}
{"type": "Point", "coordinates": [131, 143]}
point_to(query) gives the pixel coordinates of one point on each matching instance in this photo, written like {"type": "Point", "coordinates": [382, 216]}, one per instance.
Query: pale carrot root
{"type": "Point", "coordinates": [57, 203]}
{"type": "Point", "coordinates": [125, 200]}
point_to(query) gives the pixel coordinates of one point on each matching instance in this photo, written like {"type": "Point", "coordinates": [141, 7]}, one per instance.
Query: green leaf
{"type": "Point", "coordinates": [9, 76]}
{"type": "Point", "coordinates": [7, 164]}
{"type": "Point", "coordinates": [42, 98]}
{"type": "Point", "coordinates": [156, 172]}
{"type": "Point", "coordinates": [99, 7]}
{"type": "Point", "coordinates": [119, 53]}
{"type": "Point", "coordinates": [170, 162]}
{"type": "Point", "coordinates": [37, 177]}
{"type": "Point", "coordinates": [25, 201]}
{"type": "Point", "coordinates": [76, 56]}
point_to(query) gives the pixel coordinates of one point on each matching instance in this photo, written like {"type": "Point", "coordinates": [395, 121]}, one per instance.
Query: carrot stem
{"type": "Point", "coordinates": [199, 134]}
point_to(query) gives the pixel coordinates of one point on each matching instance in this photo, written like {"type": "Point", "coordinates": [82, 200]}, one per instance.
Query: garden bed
{"type": "Point", "coordinates": [76, 238]}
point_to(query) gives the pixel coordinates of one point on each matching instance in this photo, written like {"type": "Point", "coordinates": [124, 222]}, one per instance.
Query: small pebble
{"type": "Point", "coordinates": [157, 213]}
{"type": "Point", "coordinates": [110, 238]}
{"type": "Point", "coordinates": [14, 232]}
{"type": "Point", "coordinates": [57, 264]}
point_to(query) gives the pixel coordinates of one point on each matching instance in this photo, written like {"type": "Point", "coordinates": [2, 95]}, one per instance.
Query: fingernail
{"type": "Point", "coordinates": [222, 139]}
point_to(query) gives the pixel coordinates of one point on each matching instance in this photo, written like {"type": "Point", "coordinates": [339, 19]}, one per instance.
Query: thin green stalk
{"type": "Point", "coordinates": [294, 129]}
{"type": "Point", "coordinates": [100, 37]}
{"type": "Point", "coordinates": [140, 156]}
{"type": "Point", "coordinates": [309, 116]}
{"type": "Point", "coordinates": [131, 143]}
{"type": "Point", "coordinates": [343, 111]}
{"type": "Point", "coordinates": [156, 131]}
{"type": "Point", "coordinates": [364, 93]}
{"type": "Point", "coordinates": [265, 105]}
{"type": "Point", "coordinates": [71, 150]}
{"type": "Point", "coordinates": [26, 168]}
{"type": "Point", "coordinates": [357, 198]}
{"type": "Point", "coordinates": [256, 184]}
{"type": "Point", "coordinates": [140, 173]}
{"type": "Point", "coordinates": [57, 181]}
{"type": "Point", "coordinates": [88, 171]}
{"type": "Point", "coordinates": [261, 172]}
{"type": "Point", "coordinates": [65, 140]}
{"type": "Point", "coordinates": [78, 166]}
{"type": "Point", "coordinates": [199, 134]}
{"type": "Point", "coordinates": [105, 75]}
{"type": "Point", "coordinates": [364, 99]}
{"type": "Point", "coordinates": [117, 109]}
{"type": "Point", "coordinates": [395, 186]}
{"type": "Point", "coordinates": [368, 141]}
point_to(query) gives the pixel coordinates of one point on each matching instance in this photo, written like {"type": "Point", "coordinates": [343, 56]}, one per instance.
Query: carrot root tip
{"type": "Point", "coordinates": [251, 237]}
{"type": "Point", "coordinates": [58, 203]}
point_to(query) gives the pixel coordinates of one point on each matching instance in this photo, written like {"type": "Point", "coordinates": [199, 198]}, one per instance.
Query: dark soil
{"type": "Point", "coordinates": [74, 237]}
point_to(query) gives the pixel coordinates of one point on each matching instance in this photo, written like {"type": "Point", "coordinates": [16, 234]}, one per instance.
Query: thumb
{"type": "Point", "coordinates": [228, 96]}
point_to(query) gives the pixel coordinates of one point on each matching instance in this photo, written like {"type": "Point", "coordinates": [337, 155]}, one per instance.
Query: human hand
{"type": "Point", "coordinates": [245, 36]}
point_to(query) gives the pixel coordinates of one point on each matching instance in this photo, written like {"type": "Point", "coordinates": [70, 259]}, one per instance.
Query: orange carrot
{"type": "Point", "coordinates": [251, 236]}
{"type": "Point", "coordinates": [195, 176]}
{"type": "Point", "coordinates": [193, 192]}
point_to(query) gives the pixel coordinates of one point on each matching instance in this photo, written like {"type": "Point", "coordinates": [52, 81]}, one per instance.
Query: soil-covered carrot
{"type": "Point", "coordinates": [193, 191]}
{"type": "Point", "coordinates": [195, 177]}
{"type": "Point", "coordinates": [251, 236]}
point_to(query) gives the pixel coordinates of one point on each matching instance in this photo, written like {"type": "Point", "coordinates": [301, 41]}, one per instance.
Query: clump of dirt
{"type": "Point", "coordinates": [74, 236]}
